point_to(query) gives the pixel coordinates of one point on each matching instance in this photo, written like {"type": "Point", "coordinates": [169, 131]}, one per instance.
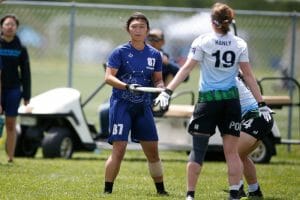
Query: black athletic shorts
{"type": "Point", "coordinates": [255, 125]}
{"type": "Point", "coordinates": [226, 114]}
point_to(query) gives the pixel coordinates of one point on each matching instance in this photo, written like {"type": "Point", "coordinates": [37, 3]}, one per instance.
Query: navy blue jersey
{"type": "Point", "coordinates": [1, 65]}
{"type": "Point", "coordinates": [16, 66]}
{"type": "Point", "coordinates": [134, 66]}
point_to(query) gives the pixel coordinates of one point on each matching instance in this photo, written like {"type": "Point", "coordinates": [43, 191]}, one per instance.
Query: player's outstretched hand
{"type": "Point", "coordinates": [163, 99]}
{"type": "Point", "coordinates": [265, 111]}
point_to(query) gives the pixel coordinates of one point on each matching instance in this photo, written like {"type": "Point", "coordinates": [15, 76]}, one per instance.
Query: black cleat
{"type": "Point", "coordinates": [256, 194]}
{"type": "Point", "coordinates": [242, 192]}
{"type": "Point", "coordinates": [233, 195]}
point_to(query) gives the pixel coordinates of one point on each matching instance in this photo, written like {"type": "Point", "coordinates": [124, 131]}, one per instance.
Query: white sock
{"type": "Point", "coordinates": [234, 187]}
{"type": "Point", "coordinates": [241, 183]}
{"type": "Point", "coordinates": [252, 187]}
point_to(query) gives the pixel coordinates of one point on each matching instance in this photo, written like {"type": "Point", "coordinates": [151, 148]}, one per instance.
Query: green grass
{"type": "Point", "coordinates": [82, 177]}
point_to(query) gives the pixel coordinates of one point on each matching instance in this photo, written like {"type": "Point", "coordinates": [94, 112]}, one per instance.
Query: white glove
{"type": "Point", "coordinates": [163, 99]}
{"type": "Point", "coordinates": [265, 111]}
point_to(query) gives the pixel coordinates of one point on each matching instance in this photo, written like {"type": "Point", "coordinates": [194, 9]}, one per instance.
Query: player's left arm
{"type": "Point", "coordinates": [25, 75]}
{"type": "Point", "coordinates": [158, 80]}
{"type": "Point", "coordinates": [250, 80]}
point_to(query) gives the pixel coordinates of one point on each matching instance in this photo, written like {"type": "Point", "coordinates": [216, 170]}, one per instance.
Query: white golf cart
{"type": "Point", "coordinates": [55, 121]}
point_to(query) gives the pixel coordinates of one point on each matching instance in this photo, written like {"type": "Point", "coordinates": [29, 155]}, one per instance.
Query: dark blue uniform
{"type": "Point", "coordinates": [15, 78]}
{"type": "Point", "coordinates": [132, 112]}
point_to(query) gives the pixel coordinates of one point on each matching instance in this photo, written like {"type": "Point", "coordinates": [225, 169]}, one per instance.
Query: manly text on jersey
{"type": "Point", "coordinates": [224, 43]}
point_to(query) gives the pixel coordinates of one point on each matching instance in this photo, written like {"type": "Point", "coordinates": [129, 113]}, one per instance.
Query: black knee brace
{"type": "Point", "coordinates": [200, 143]}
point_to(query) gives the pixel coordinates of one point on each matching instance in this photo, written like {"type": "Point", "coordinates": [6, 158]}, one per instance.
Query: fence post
{"type": "Point", "coordinates": [71, 43]}
{"type": "Point", "coordinates": [292, 71]}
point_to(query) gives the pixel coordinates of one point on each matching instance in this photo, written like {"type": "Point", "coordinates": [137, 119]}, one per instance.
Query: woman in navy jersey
{"type": "Point", "coordinates": [15, 77]}
{"type": "Point", "coordinates": [133, 64]}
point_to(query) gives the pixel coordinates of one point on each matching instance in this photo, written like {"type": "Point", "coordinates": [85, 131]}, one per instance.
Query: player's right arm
{"type": "Point", "coordinates": [183, 73]}
{"type": "Point", "coordinates": [111, 79]}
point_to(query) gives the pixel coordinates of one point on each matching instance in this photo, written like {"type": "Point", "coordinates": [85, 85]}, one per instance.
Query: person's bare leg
{"type": "Point", "coordinates": [230, 145]}
{"type": "Point", "coordinates": [246, 145]}
{"type": "Point", "coordinates": [150, 149]}
{"type": "Point", "coordinates": [113, 164]}
{"type": "Point", "coordinates": [234, 164]}
{"type": "Point", "coordinates": [10, 123]}
{"type": "Point", "coordinates": [193, 170]}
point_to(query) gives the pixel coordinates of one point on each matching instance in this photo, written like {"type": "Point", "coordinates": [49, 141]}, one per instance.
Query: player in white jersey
{"type": "Point", "coordinates": [220, 55]}
{"type": "Point", "coordinates": [254, 128]}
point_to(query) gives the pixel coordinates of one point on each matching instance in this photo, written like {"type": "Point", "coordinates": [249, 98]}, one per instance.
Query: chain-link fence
{"type": "Point", "coordinates": [69, 42]}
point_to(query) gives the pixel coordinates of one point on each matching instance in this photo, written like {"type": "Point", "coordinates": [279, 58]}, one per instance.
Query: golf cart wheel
{"type": "Point", "coordinates": [26, 147]}
{"type": "Point", "coordinates": [58, 142]}
{"type": "Point", "coordinates": [262, 154]}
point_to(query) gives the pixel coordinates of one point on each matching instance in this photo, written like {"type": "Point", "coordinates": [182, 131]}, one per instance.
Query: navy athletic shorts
{"type": "Point", "coordinates": [134, 118]}
{"type": "Point", "coordinates": [10, 101]}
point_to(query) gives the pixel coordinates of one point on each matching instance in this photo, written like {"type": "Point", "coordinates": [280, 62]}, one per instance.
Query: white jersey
{"type": "Point", "coordinates": [219, 57]}
{"type": "Point", "coordinates": [247, 100]}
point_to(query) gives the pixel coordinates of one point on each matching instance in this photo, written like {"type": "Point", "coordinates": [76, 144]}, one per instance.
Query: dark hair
{"type": "Point", "coordinates": [153, 38]}
{"type": "Point", "coordinates": [137, 16]}
{"type": "Point", "coordinates": [156, 35]}
{"type": "Point", "coordinates": [222, 16]}
{"type": "Point", "coordinates": [9, 16]}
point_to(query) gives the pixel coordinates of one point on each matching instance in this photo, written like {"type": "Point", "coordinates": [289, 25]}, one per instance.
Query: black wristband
{"type": "Point", "coordinates": [127, 86]}
{"type": "Point", "coordinates": [169, 92]}
{"type": "Point", "coordinates": [261, 104]}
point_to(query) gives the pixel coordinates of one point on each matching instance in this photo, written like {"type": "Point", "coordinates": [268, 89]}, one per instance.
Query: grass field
{"type": "Point", "coordinates": [82, 177]}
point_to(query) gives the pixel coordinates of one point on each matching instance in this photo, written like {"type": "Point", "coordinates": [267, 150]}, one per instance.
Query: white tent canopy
{"type": "Point", "coordinates": [189, 28]}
